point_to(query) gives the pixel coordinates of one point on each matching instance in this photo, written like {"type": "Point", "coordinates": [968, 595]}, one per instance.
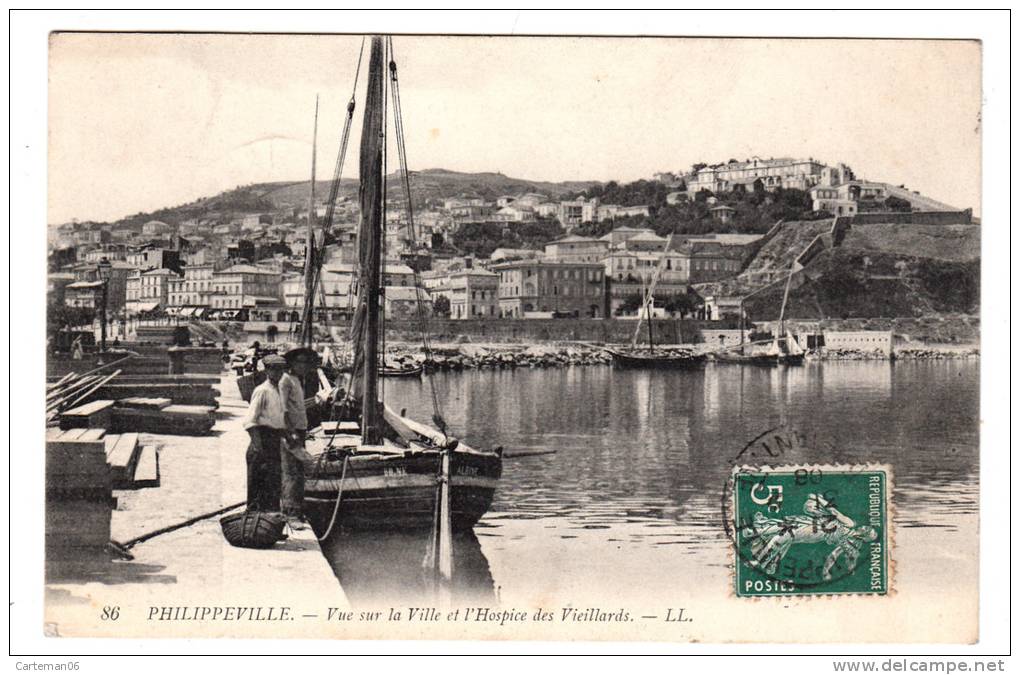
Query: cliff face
{"type": "Point", "coordinates": [879, 270]}
{"type": "Point", "coordinates": [843, 283]}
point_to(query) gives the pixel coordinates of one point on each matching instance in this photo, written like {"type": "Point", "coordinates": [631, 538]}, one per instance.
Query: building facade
{"type": "Point", "coordinates": [530, 286]}
{"type": "Point", "coordinates": [573, 248]}
{"type": "Point", "coordinates": [148, 291]}
{"type": "Point", "coordinates": [473, 294]}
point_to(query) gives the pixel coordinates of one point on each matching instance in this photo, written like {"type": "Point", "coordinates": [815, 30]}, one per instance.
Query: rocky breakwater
{"type": "Point", "coordinates": [465, 357]}
{"type": "Point", "coordinates": [901, 353]}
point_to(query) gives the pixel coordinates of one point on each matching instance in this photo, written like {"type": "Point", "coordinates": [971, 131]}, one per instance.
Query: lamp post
{"type": "Point", "coordinates": [104, 268]}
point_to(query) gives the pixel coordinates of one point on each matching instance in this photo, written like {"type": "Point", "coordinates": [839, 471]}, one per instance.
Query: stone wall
{"type": "Point", "coordinates": [964, 217]}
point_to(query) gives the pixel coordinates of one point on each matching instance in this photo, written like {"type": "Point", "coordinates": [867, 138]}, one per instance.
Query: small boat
{"type": "Point", "coordinates": [661, 358]}
{"type": "Point", "coordinates": [394, 485]}
{"type": "Point", "coordinates": [738, 358]}
{"type": "Point", "coordinates": [401, 370]}
{"type": "Point", "coordinates": [782, 351]}
{"type": "Point", "coordinates": [650, 357]}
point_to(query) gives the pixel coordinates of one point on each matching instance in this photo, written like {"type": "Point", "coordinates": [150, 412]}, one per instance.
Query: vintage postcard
{"type": "Point", "coordinates": [416, 337]}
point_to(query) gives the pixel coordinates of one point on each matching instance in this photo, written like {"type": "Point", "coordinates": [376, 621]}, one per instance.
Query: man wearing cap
{"type": "Point", "coordinates": [293, 453]}
{"type": "Point", "coordinates": [266, 425]}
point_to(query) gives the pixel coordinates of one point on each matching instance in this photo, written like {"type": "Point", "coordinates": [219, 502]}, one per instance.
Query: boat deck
{"type": "Point", "coordinates": [194, 567]}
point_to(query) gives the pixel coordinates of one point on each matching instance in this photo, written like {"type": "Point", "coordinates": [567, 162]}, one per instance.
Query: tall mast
{"type": "Point", "coordinates": [306, 319]}
{"type": "Point", "coordinates": [371, 190]}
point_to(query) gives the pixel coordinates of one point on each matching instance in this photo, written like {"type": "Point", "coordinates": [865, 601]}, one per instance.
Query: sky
{"type": "Point", "coordinates": [139, 122]}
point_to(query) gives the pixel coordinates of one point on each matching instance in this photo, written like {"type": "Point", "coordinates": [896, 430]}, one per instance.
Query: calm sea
{"type": "Point", "coordinates": [628, 508]}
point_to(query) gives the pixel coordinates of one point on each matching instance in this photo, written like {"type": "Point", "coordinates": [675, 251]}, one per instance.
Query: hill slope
{"type": "Point", "coordinates": [880, 270]}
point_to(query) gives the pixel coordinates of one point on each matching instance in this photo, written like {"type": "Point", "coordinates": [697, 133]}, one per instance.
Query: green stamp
{"type": "Point", "coordinates": [810, 530]}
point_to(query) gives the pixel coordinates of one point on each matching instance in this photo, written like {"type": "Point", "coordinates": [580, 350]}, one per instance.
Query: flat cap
{"type": "Point", "coordinates": [274, 361]}
{"type": "Point", "coordinates": [302, 354]}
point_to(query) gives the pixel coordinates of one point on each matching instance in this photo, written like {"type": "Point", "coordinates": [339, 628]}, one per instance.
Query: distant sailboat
{"type": "Point", "coordinates": [783, 349]}
{"type": "Point", "coordinates": [635, 357]}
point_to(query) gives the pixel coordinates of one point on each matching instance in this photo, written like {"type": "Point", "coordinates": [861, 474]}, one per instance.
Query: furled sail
{"type": "Point", "coordinates": [365, 327]}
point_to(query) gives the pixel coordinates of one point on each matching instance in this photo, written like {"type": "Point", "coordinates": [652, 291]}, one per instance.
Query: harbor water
{"type": "Point", "coordinates": [628, 509]}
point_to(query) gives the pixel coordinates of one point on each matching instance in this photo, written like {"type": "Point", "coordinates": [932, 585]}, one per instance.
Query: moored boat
{"type": "Point", "coordinates": [661, 358]}
{"type": "Point", "coordinates": [369, 468]}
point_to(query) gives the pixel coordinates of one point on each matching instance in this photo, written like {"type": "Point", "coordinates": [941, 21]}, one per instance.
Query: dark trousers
{"type": "Point", "coordinates": [264, 474]}
{"type": "Point", "coordinates": [293, 496]}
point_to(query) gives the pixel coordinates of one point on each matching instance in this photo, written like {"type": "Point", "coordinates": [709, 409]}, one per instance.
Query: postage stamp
{"type": "Point", "coordinates": [811, 530]}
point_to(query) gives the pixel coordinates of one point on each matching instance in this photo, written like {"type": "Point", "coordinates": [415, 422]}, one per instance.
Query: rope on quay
{"type": "Point", "coordinates": [123, 549]}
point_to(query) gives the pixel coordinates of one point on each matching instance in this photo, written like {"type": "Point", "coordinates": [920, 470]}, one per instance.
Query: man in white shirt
{"type": "Point", "coordinates": [266, 426]}
{"type": "Point", "coordinates": [293, 453]}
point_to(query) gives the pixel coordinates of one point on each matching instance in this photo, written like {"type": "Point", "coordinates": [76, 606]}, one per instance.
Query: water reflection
{"type": "Point", "coordinates": [641, 458]}
{"type": "Point", "coordinates": [379, 569]}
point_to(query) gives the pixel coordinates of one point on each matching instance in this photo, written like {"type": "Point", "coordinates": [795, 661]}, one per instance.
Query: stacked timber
{"type": "Point", "coordinates": [186, 389]}
{"type": "Point", "coordinates": [150, 415]}
{"type": "Point", "coordinates": [72, 390]}
{"type": "Point", "coordinates": [79, 496]}
{"type": "Point", "coordinates": [202, 360]}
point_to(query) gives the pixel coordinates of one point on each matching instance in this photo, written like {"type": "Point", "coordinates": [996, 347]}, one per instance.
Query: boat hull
{"type": "Point", "coordinates": [764, 360]}
{"type": "Point", "coordinates": [401, 372]}
{"type": "Point", "coordinates": [662, 360]}
{"type": "Point", "coordinates": [400, 492]}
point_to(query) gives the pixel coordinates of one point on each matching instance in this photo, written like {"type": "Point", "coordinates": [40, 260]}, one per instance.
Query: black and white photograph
{"type": "Point", "coordinates": [392, 335]}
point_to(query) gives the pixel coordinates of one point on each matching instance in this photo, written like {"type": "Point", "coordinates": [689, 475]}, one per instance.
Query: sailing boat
{"type": "Point", "coordinates": [370, 467]}
{"type": "Point", "coordinates": [781, 351]}
{"type": "Point", "coordinates": [676, 357]}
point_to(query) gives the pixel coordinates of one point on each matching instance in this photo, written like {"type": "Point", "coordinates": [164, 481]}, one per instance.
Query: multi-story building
{"type": "Point", "coordinates": [146, 291]}
{"type": "Point", "coordinates": [110, 251]}
{"type": "Point", "coordinates": [639, 267]}
{"type": "Point", "coordinates": [242, 286]}
{"type": "Point", "coordinates": [573, 248]}
{"type": "Point", "coordinates": [785, 172]}
{"type": "Point", "coordinates": [547, 209]}
{"type": "Point", "coordinates": [154, 258]}
{"type": "Point", "coordinates": [156, 228]}
{"type": "Point", "coordinates": [515, 213]}
{"type": "Point", "coordinates": [194, 289]}
{"type": "Point", "coordinates": [472, 294]}
{"type": "Point", "coordinates": [528, 286]}
{"type": "Point", "coordinates": [91, 235]}
{"type": "Point", "coordinates": [578, 211]}
{"type": "Point", "coordinates": [86, 290]}
{"type": "Point", "coordinates": [846, 199]}
{"type": "Point", "coordinates": [828, 198]}
{"type": "Point", "coordinates": [711, 260]}
{"type": "Point", "coordinates": [614, 211]}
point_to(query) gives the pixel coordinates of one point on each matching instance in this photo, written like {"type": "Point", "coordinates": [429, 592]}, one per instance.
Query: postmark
{"type": "Point", "coordinates": [809, 530]}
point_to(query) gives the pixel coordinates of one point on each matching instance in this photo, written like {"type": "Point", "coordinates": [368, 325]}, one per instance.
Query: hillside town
{"type": "Point", "coordinates": [226, 264]}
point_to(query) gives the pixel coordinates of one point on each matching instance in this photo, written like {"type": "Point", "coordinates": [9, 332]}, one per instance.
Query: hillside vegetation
{"type": "Point", "coordinates": [878, 271]}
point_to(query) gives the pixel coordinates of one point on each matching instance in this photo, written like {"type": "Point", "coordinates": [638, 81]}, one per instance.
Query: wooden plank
{"type": "Point", "coordinates": [71, 434]}
{"type": "Point", "coordinates": [147, 469]}
{"type": "Point", "coordinates": [124, 451]}
{"type": "Point", "coordinates": [89, 408]}
{"type": "Point", "coordinates": [92, 435]}
{"type": "Point", "coordinates": [188, 410]}
{"type": "Point", "coordinates": [143, 402]}
{"type": "Point", "coordinates": [165, 421]}
{"type": "Point", "coordinates": [95, 414]}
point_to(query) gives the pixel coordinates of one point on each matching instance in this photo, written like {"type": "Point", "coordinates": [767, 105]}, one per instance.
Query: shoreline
{"type": "Point", "coordinates": [502, 356]}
